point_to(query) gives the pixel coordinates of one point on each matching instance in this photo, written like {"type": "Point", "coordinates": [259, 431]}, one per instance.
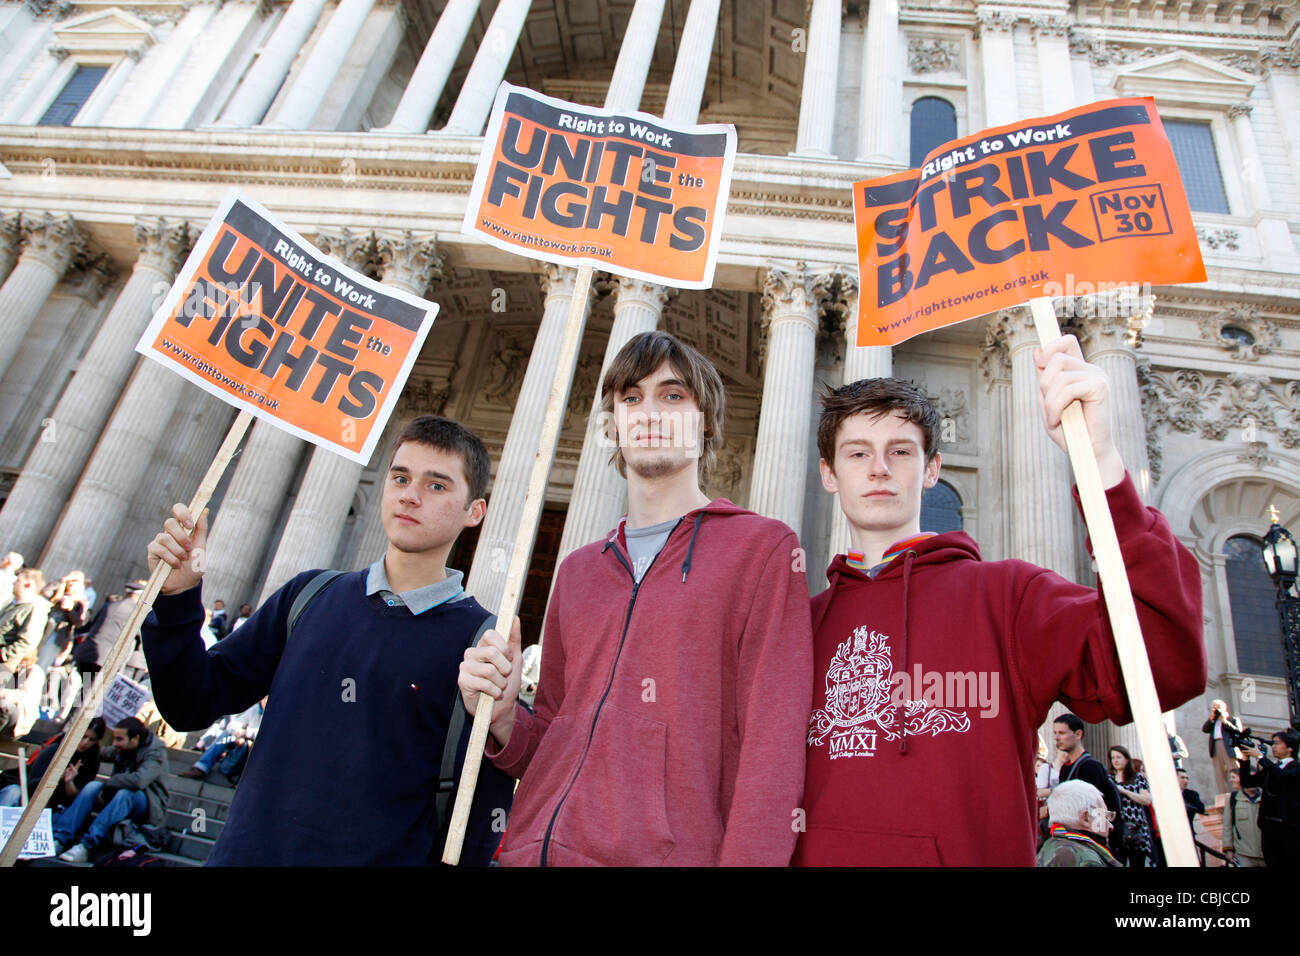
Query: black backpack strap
{"type": "Point", "coordinates": [317, 584]}
{"type": "Point", "coordinates": [455, 727]}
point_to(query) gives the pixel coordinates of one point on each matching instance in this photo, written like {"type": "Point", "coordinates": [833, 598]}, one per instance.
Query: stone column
{"type": "Point", "coordinates": [1052, 44]}
{"type": "Point", "coordinates": [11, 240]}
{"type": "Point", "coordinates": [817, 104]}
{"type": "Point", "coordinates": [243, 529]}
{"type": "Point", "coordinates": [127, 452]}
{"type": "Point", "coordinates": [39, 372]}
{"type": "Point", "coordinates": [256, 93]}
{"type": "Point", "coordinates": [320, 511]}
{"type": "Point", "coordinates": [634, 56]}
{"type": "Point", "coordinates": [882, 84]}
{"type": "Point", "coordinates": [424, 89]}
{"type": "Point", "coordinates": [599, 496]}
{"type": "Point", "coordinates": [1042, 508]}
{"type": "Point", "coordinates": [859, 362]}
{"type": "Point", "coordinates": [52, 469]}
{"type": "Point", "coordinates": [996, 32]}
{"type": "Point", "coordinates": [791, 306]}
{"type": "Point", "coordinates": [1274, 231]}
{"type": "Point", "coordinates": [489, 66]}
{"type": "Point", "coordinates": [195, 431]}
{"type": "Point", "coordinates": [49, 245]}
{"type": "Point", "coordinates": [487, 575]}
{"type": "Point", "coordinates": [1115, 331]}
{"type": "Point", "coordinates": [691, 71]}
{"type": "Point", "coordinates": [995, 366]}
{"type": "Point", "coordinates": [313, 80]}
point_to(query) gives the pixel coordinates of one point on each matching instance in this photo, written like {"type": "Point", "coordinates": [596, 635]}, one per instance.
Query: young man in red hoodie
{"type": "Point", "coordinates": [934, 668]}
{"type": "Point", "coordinates": [676, 677]}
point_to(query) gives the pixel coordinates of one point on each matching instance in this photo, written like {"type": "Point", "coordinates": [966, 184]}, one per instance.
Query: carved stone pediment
{"type": "Point", "coordinates": [1183, 77]}
{"type": "Point", "coordinates": [114, 32]}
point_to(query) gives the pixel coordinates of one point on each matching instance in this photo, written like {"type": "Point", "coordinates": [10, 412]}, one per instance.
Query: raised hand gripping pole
{"type": "Point", "coordinates": [117, 656]}
{"type": "Point", "coordinates": [523, 549]}
{"type": "Point", "coordinates": [1134, 664]}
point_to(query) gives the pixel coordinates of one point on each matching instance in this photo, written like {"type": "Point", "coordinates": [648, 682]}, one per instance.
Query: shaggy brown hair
{"type": "Point", "coordinates": [641, 356]}
{"type": "Point", "coordinates": [876, 397]}
{"type": "Point", "coordinates": [450, 436]}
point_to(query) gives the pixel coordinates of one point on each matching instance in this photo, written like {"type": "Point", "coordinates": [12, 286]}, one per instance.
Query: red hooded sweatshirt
{"type": "Point", "coordinates": [670, 715]}
{"type": "Point", "coordinates": [965, 657]}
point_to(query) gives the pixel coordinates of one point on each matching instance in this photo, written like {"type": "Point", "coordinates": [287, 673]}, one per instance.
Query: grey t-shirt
{"type": "Point", "coordinates": [644, 544]}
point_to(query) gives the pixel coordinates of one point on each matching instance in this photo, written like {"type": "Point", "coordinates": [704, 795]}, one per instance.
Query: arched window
{"type": "Point", "coordinates": [1255, 622]}
{"type": "Point", "coordinates": [941, 509]}
{"type": "Point", "coordinates": [934, 122]}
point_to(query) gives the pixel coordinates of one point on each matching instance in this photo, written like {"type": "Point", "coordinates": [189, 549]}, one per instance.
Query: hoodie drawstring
{"type": "Point", "coordinates": [686, 565]}
{"type": "Point", "coordinates": [901, 711]}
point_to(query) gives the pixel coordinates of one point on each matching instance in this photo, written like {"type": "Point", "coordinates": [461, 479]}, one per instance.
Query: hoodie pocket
{"type": "Point", "coordinates": [617, 812]}
{"type": "Point", "coordinates": [852, 846]}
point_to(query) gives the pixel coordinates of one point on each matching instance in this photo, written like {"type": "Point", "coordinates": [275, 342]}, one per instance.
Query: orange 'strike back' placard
{"type": "Point", "coordinates": [998, 217]}
{"type": "Point", "coordinates": [575, 185]}
{"type": "Point", "coordinates": [267, 322]}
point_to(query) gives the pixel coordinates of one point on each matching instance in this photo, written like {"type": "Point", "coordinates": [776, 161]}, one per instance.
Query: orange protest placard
{"type": "Point", "coordinates": [264, 320]}
{"type": "Point", "coordinates": [1087, 198]}
{"type": "Point", "coordinates": [575, 185]}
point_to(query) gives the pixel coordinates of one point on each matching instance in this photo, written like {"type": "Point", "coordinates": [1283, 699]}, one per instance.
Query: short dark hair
{"type": "Point", "coordinates": [877, 397]}
{"type": "Point", "coordinates": [641, 356]}
{"type": "Point", "coordinates": [132, 726]}
{"type": "Point", "coordinates": [1290, 738]}
{"type": "Point", "coordinates": [98, 727]}
{"type": "Point", "coordinates": [1071, 721]}
{"type": "Point", "coordinates": [451, 436]}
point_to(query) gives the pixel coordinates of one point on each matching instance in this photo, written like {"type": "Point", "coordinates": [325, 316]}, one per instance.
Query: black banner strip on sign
{"type": "Point", "coordinates": [260, 231]}
{"type": "Point", "coordinates": [656, 137]}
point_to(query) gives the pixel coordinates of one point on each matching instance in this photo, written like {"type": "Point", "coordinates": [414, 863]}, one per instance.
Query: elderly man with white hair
{"type": "Point", "coordinates": [1079, 824]}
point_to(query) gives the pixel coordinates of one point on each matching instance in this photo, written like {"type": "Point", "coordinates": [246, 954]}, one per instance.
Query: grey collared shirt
{"type": "Point", "coordinates": [417, 600]}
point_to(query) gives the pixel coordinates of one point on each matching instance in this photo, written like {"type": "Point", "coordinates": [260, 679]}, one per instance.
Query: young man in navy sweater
{"type": "Point", "coordinates": [346, 768]}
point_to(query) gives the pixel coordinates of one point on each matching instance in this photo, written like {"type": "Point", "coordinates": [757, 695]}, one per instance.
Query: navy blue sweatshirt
{"type": "Point", "coordinates": [345, 769]}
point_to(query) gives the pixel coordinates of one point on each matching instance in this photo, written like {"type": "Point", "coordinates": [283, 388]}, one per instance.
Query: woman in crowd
{"type": "Point", "coordinates": [1135, 798]}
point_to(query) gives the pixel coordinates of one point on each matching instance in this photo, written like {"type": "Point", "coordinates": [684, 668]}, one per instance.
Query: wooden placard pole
{"type": "Point", "coordinates": [117, 656]}
{"type": "Point", "coordinates": [1175, 830]}
{"type": "Point", "coordinates": [523, 549]}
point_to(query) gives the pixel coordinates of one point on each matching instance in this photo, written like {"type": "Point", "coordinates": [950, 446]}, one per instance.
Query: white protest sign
{"type": "Point", "coordinates": [124, 698]}
{"type": "Point", "coordinates": [41, 841]}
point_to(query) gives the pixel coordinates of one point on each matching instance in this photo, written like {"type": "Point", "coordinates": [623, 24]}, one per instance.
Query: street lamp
{"type": "Point", "coordinates": [1281, 558]}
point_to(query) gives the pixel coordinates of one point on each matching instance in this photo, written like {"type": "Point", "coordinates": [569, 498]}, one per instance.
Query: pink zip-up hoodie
{"type": "Point", "coordinates": [670, 715]}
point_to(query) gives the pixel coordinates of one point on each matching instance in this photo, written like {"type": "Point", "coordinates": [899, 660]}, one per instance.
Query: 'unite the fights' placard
{"type": "Point", "coordinates": [989, 220]}
{"type": "Point", "coordinates": [264, 320]}
{"type": "Point", "coordinates": [576, 185]}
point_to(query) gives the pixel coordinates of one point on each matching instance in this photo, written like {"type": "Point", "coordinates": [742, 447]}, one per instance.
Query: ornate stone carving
{"type": "Point", "coordinates": [1101, 53]}
{"type": "Point", "coordinates": [995, 350]}
{"type": "Point", "coordinates": [929, 55]}
{"type": "Point", "coordinates": [52, 240]}
{"type": "Point", "coordinates": [725, 479]}
{"type": "Point", "coordinates": [1057, 26]}
{"type": "Point", "coordinates": [412, 262]}
{"type": "Point", "coordinates": [786, 291]}
{"type": "Point", "coordinates": [1239, 109]}
{"type": "Point", "coordinates": [1219, 237]}
{"type": "Point", "coordinates": [423, 396]}
{"type": "Point", "coordinates": [352, 249]}
{"type": "Point", "coordinates": [558, 280]}
{"type": "Point", "coordinates": [506, 368]}
{"type": "Point", "coordinates": [1263, 333]}
{"type": "Point", "coordinates": [1289, 400]}
{"type": "Point", "coordinates": [650, 294]}
{"type": "Point", "coordinates": [163, 243]}
{"type": "Point", "coordinates": [586, 380]}
{"type": "Point", "coordinates": [1257, 454]}
{"type": "Point", "coordinates": [1150, 406]}
{"type": "Point", "coordinates": [1280, 58]}
{"type": "Point", "coordinates": [1212, 406]}
{"type": "Point", "coordinates": [11, 233]}
{"type": "Point", "coordinates": [995, 21]}
{"type": "Point", "coordinates": [90, 276]}
{"type": "Point", "coordinates": [1241, 61]}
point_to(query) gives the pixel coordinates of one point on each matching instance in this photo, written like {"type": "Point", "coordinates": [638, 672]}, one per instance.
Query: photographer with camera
{"type": "Point", "coordinates": [1225, 734]}
{"type": "Point", "coordinates": [1279, 806]}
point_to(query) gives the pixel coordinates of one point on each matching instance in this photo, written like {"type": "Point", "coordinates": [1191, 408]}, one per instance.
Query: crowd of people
{"type": "Point", "coordinates": [53, 643]}
{"type": "Point", "coordinates": [1095, 815]}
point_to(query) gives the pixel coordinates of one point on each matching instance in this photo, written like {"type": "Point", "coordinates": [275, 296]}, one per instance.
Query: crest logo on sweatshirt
{"type": "Point", "coordinates": [859, 709]}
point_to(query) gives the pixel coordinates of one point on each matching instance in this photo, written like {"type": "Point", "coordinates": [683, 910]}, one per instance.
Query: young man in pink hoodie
{"type": "Point", "coordinates": [934, 668]}
{"type": "Point", "coordinates": [676, 676]}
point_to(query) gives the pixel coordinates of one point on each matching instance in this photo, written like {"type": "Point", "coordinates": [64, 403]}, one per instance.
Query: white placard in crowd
{"type": "Point", "coordinates": [41, 840]}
